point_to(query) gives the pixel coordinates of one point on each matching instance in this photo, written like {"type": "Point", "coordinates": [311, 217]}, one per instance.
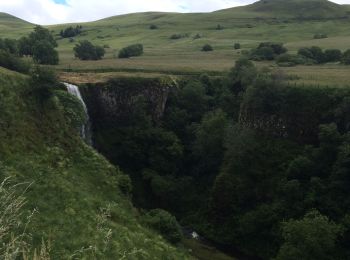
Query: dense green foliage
{"type": "Point", "coordinates": [320, 36]}
{"type": "Point", "coordinates": [317, 55]}
{"type": "Point", "coordinates": [164, 223]}
{"type": "Point", "coordinates": [12, 62]}
{"type": "Point", "coordinates": [85, 50]}
{"type": "Point", "coordinates": [313, 237]}
{"type": "Point", "coordinates": [267, 51]}
{"type": "Point", "coordinates": [40, 44]}
{"type": "Point", "coordinates": [44, 53]}
{"type": "Point", "coordinates": [71, 31]}
{"type": "Point", "coordinates": [238, 157]}
{"type": "Point", "coordinates": [207, 48]}
{"type": "Point", "coordinates": [131, 51]}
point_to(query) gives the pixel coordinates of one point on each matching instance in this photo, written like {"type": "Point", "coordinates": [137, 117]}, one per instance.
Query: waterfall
{"type": "Point", "coordinates": [85, 130]}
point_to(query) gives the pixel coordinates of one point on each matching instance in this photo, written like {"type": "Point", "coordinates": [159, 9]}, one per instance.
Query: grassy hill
{"type": "Point", "coordinates": [297, 9]}
{"type": "Point", "coordinates": [80, 210]}
{"type": "Point", "coordinates": [293, 22]}
{"type": "Point", "coordinates": [12, 27]}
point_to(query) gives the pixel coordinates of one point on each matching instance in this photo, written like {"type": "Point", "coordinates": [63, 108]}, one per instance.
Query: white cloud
{"type": "Point", "coordinates": [47, 12]}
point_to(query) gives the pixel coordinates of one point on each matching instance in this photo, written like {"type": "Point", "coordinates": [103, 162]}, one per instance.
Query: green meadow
{"type": "Point", "coordinates": [247, 25]}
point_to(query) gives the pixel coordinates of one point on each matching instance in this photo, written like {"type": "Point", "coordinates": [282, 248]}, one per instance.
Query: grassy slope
{"type": "Point", "coordinates": [71, 182]}
{"type": "Point", "coordinates": [249, 25]}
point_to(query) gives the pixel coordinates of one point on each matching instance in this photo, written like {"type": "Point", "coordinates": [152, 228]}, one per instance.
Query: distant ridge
{"type": "Point", "coordinates": [298, 9]}
{"type": "Point", "coordinates": [8, 19]}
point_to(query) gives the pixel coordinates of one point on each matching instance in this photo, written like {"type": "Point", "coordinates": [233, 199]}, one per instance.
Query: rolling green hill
{"type": "Point", "coordinates": [12, 27]}
{"type": "Point", "coordinates": [293, 22]}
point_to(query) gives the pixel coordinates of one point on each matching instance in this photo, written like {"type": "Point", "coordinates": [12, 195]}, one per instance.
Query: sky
{"type": "Point", "coordinates": [64, 11]}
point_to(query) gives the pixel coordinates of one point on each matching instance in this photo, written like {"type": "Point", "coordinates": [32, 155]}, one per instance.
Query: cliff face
{"type": "Point", "coordinates": [110, 103]}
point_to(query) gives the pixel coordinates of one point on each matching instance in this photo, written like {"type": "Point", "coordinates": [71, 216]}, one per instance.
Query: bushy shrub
{"type": "Point", "coordinates": [219, 27]}
{"type": "Point", "coordinates": [153, 27]}
{"type": "Point", "coordinates": [237, 46]}
{"type": "Point", "coordinates": [287, 60]}
{"type": "Point", "coordinates": [125, 184]}
{"type": "Point", "coordinates": [314, 53]}
{"type": "Point", "coordinates": [44, 53]}
{"type": "Point", "coordinates": [319, 56]}
{"type": "Point", "coordinates": [207, 47]}
{"type": "Point", "coordinates": [267, 51]}
{"type": "Point", "coordinates": [71, 32]}
{"type": "Point", "coordinates": [12, 62]}
{"type": "Point", "coordinates": [178, 36]}
{"type": "Point", "coordinates": [9, 45]}
{"type": "Point", "coordinates": [85, 50]}
{"type": "Point", "coordinates": [165, 223]}
{"type": "Point", "coordinates": [320, 36]}
{"type": "Point", "coordinates": [43, 81]}
{"type": "Point", "coordinates": [197, 36]}
{"type": "Point", "coordinates": [332, 55]}
{"type": "Point", "coordinates": [131, 51]}
{"type": "Point", "coordinates": [346, 57]}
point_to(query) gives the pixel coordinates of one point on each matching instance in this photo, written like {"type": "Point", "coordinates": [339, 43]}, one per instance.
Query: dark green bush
{"type": "Point", "coordinates": [125, 184]}
{"type": "Point", "coordinates": [44, 81]}
{"type": "Point", "coordinates": [71, 32]}
{"type": "Point", "coordinates": [207, 47]}
{"type": "Point", "coordinates": [320, 36]}
{"type": "Point", "coordinates": [219, 27]}
{"type": "Point", "coordinates": [197, 36]}
{"type": "Point", "coordinates": [44, 53]}
{"type": "Point", "coordinates": [346, 57]}
{"type": "Point", "coordinates": [178, 36]}
{"type": "Point", "coordinates": [85, 50]}
{"type": "Point", "coordinates": [287, 60]}
{"type": "Point", "coordinates": [332, 55]}
{"type": "Point", "coordinates": [165, 223]}
{"type": "Point", "coordinates": [131, 51]}
{"type": "Point", "coordinates": [267, 51]}
{"type": "Point", "coordinates": [277, 48]}
{"type": "Point", "coordinates": [153, 27]}
{"type": "Point", "coordinates": [314, 53]}
{"type": "Point", "coordinates": [237, 46]}
{"type": "Point", "coordinates": [9, 45]}
{"type": "Point", "coordinates": [12, 62]}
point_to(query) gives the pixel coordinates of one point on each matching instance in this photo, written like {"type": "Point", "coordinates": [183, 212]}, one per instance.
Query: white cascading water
{"type": "Point", "coordinates": [85, 130]}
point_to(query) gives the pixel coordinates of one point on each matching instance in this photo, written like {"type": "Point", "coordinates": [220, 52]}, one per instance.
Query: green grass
{"type": "Point", "coordinates": [71, 183]}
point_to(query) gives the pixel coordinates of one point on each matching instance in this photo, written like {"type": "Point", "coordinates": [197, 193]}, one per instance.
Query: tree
{"type": "Point", "coordinates": [242, 75]}
{"type": "Point", "coordinates": [314, 53]}
{"type": "Point", "coordinates": [71, 32]}
{"type": "Point", "coordinates": [153, 27]}
{"type": "Point", "coordinates": [277, 48]}
{"type": "Point", "coordinates": [313, 237]}
{"type": "Point", "coordinates": [346, 57]}
{"type": "Point", "coordinates": [43, 80]}
{"type": "Point", "coordinates": [209, 143]}
{"type": "Point", "coordinates": [85, 50]}
{"type": "Point", "coordinates": [237, 46]}
{"type": "Point", "coordinates": [25, 47]}
{"type": "Point", "coordinates": [207, 47]}
{"type": "Point", "coordinates": [12, 62]}
{"type": "Point", "coordinates": [9, 45]}
{"type": "Point", "coordinates": [165, 223]}
{"type": "Point", "coordinates": [332, 55]}
{"type": "Point", "coordinates": [44, 53]}
{"type": "Point", "coordinates": [131, 51]}
{"type": "Point", "coordinates": [41, 34]}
